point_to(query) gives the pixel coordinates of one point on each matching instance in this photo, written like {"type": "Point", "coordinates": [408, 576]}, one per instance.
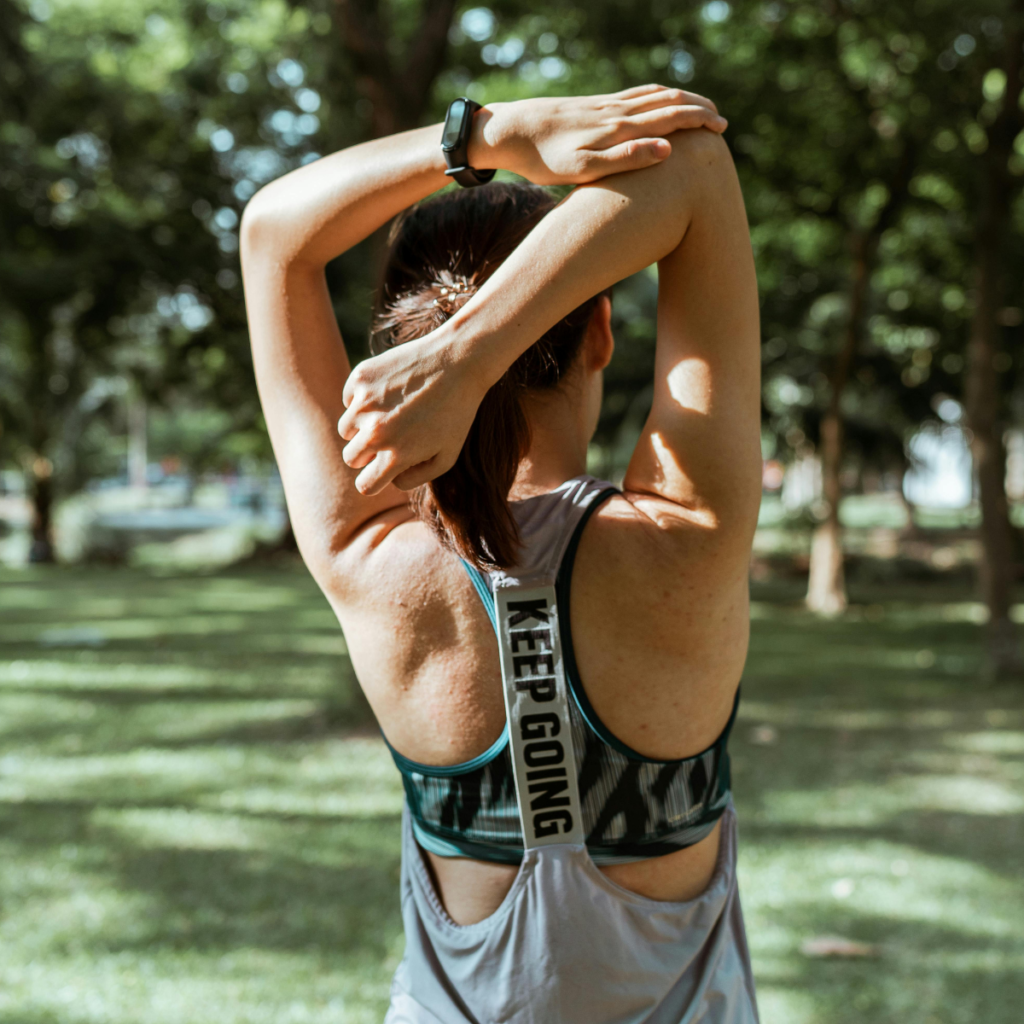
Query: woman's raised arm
{"type": "Point", "coordinates": [291, 229]}
{"type": "Point", "coordinates": [699, 455]}
{"type": "Point", "coordinates": [296, 225]}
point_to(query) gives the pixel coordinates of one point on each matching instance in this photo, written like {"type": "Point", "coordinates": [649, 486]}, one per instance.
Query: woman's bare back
{"type": "Point", "coordinates": [659, 620]}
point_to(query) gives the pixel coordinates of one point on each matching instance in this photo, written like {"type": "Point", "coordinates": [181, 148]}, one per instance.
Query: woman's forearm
{"type": "Point", "coordinates": [600, 234]}
{"type": "Point", "coordinates": [313, 214]}
{"type": "Point", "coordinates": [317, 212]}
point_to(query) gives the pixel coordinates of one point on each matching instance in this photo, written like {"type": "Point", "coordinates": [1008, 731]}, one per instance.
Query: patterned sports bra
{"type": "Point", "coordinates": [632, 807]}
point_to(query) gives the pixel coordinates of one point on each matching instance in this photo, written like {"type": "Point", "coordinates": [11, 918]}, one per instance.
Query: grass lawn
{"type": "Point", "coordinates": [199, 825]}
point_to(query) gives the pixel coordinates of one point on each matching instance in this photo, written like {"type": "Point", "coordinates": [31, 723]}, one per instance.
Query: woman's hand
{"type": "Point", "coordinates": [408, 411]}
{"type": "Point", "coordinates": [574, 140]}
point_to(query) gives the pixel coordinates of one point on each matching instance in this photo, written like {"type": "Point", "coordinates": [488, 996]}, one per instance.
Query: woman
{"type": "Point", "coordinates": [569, 850]}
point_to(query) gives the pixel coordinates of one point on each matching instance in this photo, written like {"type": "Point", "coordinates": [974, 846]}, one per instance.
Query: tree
{"type": "Point", "coordinates": [996, 191]}
{"type": "Point", "coordinates": [826, 586]}
{"type": "Point", "coordinates": [867, 136]}
{"type": "Point", "coordinates": [56, 295]}
{"type": "Point", "coordinates": [117, 218]}
{"type": "Point", "coordinates": [395, 70]}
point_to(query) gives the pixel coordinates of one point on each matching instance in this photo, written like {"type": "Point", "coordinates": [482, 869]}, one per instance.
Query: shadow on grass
{"type": "Point", "coordinates": [194, 783]}
{"type": "Point", "coordinates": [31, 1016]}
{"type": "Point", "coordinates": [123, 720]}
{"type": "Point", "coordinates": [282, 895]}
{"type": "Point", "coordinates": [923, 973]}
{"type": "Point", "coordinates": [935, 833]}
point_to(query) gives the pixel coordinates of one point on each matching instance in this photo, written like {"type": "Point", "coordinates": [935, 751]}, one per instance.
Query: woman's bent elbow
{"type": "Point", "coordinates": [255, 229]}
{"type": "Point", "coordinates": [698, 148]}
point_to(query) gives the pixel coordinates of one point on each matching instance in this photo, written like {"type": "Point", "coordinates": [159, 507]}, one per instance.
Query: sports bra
{"type": "Point", "coordinates": [632, 807]}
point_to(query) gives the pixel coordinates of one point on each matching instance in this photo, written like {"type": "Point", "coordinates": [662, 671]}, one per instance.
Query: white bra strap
{"type": "Point", "coordinates": [537, 709]}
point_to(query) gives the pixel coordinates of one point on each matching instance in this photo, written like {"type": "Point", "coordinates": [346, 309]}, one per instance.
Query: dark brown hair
{"type": "Point", "coordinates": [442, 251]}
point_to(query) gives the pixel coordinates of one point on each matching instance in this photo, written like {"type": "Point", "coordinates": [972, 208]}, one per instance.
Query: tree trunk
{"type": "Point", "coordinates": [982, 401]}
{"type": "Point", "coordinates": [826, 586]}
{"type": "Point", "coordinates": [399, 89]}
{"type": "Point", "coordinates": [981, 384]}
{"type": "Point", "coordinates": [41, 494]}
{"type": "Point", "coordinates": [396, 80]}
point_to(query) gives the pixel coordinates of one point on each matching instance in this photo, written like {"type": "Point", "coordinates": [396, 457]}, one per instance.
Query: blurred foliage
{"type": "Point", "coordinates": [133, 134]}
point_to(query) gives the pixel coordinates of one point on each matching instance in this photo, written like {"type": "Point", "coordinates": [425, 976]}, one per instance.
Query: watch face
{"type": "Point", "coordinates": [453, 125]}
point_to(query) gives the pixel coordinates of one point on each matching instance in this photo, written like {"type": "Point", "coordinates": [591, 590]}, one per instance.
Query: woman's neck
{"type": "Point", "coordinates": [558, 445]}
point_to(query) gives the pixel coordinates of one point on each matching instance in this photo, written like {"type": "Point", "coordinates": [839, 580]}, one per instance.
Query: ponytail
{"type": "Point", "coordinates": [441, 252]}
{"type": "Point", "coordinates": [468, 507]}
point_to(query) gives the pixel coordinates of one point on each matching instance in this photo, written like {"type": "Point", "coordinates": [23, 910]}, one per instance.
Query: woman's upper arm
{"type": "Point", "coordinates": [301, 367]}
{"type": "Point", "coordinates": [700, 448]}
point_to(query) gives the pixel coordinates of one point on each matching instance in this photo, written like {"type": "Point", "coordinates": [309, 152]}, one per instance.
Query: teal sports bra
{"type": "Point", "coordinates": [633, 807]}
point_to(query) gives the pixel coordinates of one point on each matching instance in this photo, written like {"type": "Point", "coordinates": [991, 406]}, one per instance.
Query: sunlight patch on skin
{"type": "Point", "coordinates": [689, 384]}
{"type": "Point", "coordinates": [669, 476]}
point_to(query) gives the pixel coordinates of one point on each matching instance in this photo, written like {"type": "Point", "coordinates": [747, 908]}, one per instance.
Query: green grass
{"type": "Point", "coordinates": [199, 824]}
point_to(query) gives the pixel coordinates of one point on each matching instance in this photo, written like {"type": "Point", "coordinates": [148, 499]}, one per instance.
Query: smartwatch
{"type": "Point", "coordinates": [458, 125]}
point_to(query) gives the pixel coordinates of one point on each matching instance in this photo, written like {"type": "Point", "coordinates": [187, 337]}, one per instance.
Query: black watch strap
{"type": "Point", "coordinates": [468, 177]}
{"type": "Point", "coordinates": [458, 124]}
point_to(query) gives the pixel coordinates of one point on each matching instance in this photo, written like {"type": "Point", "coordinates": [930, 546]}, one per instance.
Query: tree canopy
{"type": "Point", "coordinates": [871, 139]}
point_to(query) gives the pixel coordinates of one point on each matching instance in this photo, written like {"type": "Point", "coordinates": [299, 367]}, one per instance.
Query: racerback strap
{"type": "Point", "coordinates": [537, 709]}
{"type": "Point", "coordinates": [524, 611]}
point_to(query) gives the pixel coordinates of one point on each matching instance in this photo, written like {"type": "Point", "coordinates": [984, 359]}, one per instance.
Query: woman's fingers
{"type": "Point", "coordinates": [666, 120]}
{"type": "Point", "coordinates": [651, 146]}
{"type": "Point", "coordinates": [378, 474]}
{"type": "Point", "coordinates": [380, 465]}
{"type": "Point", "coordinates": [360, 450]}
{"type": "Point", "coordinates": [361, 376]}
{"type": "Point", "coordinates": [667, 98]}
{"type": "Point", "coordinates": [649, 97]}
{"type": "Point", "coordinates": [413, 477]}
{"type": "Point", "coordinates": [347, 424]}
{"type": "Point", "coordinates": [697, 100]}
{"type": "Point", "coordinates": [639, 90]}
{"type": "Point", "coordinates": [655, 101]}
{"type": "Point", "coordinates": [627, 156]}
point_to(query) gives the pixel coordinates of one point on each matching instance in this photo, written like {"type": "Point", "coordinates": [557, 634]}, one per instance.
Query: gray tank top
{"type": "Point", "coordinates": [567, 945]}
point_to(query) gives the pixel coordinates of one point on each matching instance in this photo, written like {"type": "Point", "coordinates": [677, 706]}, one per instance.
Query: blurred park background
{"type": "Point", "coordinates": [198, 820]}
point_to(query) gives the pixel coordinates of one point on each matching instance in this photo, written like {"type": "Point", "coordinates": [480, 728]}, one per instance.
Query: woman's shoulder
{"type": "Point", "coordinates": [659, 620]}
{"type": "Point", "coordinates": [661, 570]}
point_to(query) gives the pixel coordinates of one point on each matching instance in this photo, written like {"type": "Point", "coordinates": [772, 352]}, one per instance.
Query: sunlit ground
{"type": "Point", "coordinates": [198, 823]}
